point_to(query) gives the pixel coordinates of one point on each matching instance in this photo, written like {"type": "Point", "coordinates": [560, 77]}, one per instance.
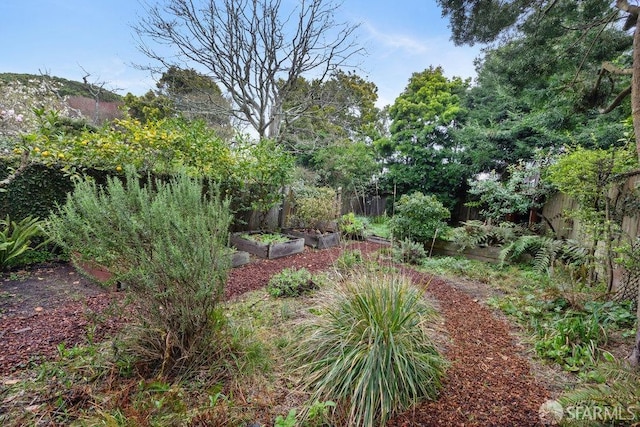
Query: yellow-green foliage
{"type": "Point", "coordinates": [315, 207]}
{"type": "Point", "coordinates": [162, 146]}
{"type": "Point", "coordinates": [251, 172]}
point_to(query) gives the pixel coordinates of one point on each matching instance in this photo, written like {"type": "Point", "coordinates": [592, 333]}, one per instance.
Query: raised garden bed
{"type": "Point", "coordinates": [91, 269]}
{"type": "Point", "coordinates": [316, 239]}
{"type": "Point", "coordinates": [267, 245]}
{"type": "Point", "coordinates": [486, 254]}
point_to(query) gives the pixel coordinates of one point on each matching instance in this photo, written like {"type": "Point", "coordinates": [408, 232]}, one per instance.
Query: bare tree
{"type": "Point", "coordinates": [253, 48]}
{"type": "Point", "coordinates": [96, 89]}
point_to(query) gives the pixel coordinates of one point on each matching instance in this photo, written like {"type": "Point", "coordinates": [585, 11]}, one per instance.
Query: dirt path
{"type": "Point", "coordinates": [489, 382]}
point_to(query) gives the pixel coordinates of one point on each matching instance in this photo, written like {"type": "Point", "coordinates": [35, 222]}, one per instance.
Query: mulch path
{"type": "Point", "coordinates": [489, 382]}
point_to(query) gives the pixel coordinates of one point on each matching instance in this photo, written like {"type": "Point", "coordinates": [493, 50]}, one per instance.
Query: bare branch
{"type": "Point", "coordinates": [613, 69]}
{"type": "Point", "coordinates": [253, 49]}
{"type": "Point", "coordinates": [616, 102]}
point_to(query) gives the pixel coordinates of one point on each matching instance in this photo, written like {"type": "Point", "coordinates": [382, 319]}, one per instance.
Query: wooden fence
{"type": "Point", "coordinates": [625, 202]}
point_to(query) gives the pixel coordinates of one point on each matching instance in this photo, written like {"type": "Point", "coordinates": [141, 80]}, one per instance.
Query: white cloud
{"type": "Point", "coordinates": [396, 41]}
{"type": "Point", "coordinates": [393, 57]}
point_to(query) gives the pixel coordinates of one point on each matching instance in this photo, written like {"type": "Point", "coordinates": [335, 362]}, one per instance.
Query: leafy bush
{"type": "Point", "coordinates": [291, 282]}
{"type": "Point", "coordinates": [168, 244]}
{"type": "Point", "coordinates": [562, 332]}
{"type": "Point", "coordinates": [571, 340]}
{"type": "Point", "coordinates": [353, 227]}
{"type": "Point", "coordinates": [409, 252]}
{"type": "Point", "coordinates": [522, 191]}
{"type": "Point", "coordinates": [16, 238]}
{"type": "Point", "coordinates": [34, 192]}
{"type": "Point", "coordinates": [368, 350]}
{"type": "Point", "coordinates": [259, 172]}
{"type": "Point", "coordinates": [348, 259]}
{"type": "Point", "coordinates": [418, 217]}
{"type": "Point", "coordinates": [315, 207]}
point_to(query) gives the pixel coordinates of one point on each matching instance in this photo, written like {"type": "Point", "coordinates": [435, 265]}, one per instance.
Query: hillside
{"type": "Point", "coordinates": [69, 88]}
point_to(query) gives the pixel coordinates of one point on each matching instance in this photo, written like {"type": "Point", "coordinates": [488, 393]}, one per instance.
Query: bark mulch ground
{"type": "Point", "coordinates": [489, 382]}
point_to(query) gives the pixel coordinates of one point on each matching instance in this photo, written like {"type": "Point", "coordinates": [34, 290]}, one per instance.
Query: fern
{"type": "Point", "coordinates": [547, 254]}
{"type": "Point", "coordinates": [622, 390]}
{"type": "Point", "coordinates": [475, 233]}
{"type": "Point", "coordinates": [545, 251]}
{"type": "Point", "coordinates": [523, 245]}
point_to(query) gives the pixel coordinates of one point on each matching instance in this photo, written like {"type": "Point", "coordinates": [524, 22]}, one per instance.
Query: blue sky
{"type": "Point", "coordinates": [61, 37]}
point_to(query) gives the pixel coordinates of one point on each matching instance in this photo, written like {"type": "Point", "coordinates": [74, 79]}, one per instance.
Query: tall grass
{"type": "Point", "coordinates": [368, 349]}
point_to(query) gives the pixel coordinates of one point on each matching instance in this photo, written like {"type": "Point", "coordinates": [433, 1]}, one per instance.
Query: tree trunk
{"type": "Point", "coordinates": [634, 358]}
{"type": "Point", "coordinates": [635, 86]}
{"type": "Point", "coordinates": [632, 10]}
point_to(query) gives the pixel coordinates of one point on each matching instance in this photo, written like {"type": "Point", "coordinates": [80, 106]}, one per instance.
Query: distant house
{"type": "Point", "coordinates": [96, 112]}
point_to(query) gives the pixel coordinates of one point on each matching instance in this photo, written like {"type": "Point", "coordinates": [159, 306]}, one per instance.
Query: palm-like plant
{"type": "Point", "coordinates": [15, 237]}
{"type": "Point", "coordinates": [369, 350]}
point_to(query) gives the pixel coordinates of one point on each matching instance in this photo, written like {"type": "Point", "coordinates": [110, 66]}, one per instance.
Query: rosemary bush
{"type": "Point", "coordinates": [368, 349]}
{"type": "Point", "coordinates": [167, 243]}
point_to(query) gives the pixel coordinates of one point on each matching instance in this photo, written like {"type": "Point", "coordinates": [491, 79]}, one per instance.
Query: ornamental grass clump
{"type": "Point", "coordinates": [368, 349]}
{"type": "Point", "coordinates": [167, 243]}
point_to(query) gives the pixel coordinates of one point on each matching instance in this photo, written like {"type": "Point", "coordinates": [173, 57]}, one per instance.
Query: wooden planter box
{"type": "Point", "coordinates": [269, 251]}
{"type": "Point", "coordinates": [486, 254]}
{"type": "Point", "coordinates": [316, 240]}
{"type": "Point", "coordinates": [91, 269]}
{"type": "Point", "coordinates": [95, 271]}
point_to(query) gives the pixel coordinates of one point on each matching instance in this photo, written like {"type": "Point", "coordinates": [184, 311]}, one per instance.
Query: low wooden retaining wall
{"type": "Point", "coordinates": [486, 254]}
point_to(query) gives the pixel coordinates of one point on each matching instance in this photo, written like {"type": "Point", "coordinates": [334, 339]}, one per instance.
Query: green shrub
{"type": "Point", "coordinates": [315, 207]}
{"type": "Point", "coordinates": [353, 227]}
{"type": "Point", "coordinates": [368, 349]}
{"type": "Point", "coordinates": [418, 217]}
{"type": "Point", "coordinates": [291, 282]}
{"type": "Point", "coordinates": [348, 259]}
{"type": "Point", "coordinates": [409, 252]}
{"type": "Point", "coordinates": [34, 192]}
{"type": "Point", "coordinates": [571, 340]}
{"type": "Point", "coordinates": [567, 335]}
{"type": "Point", "coordinates": [168, 245]}
{"type": "Point", "coordinates": [16, 238]}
